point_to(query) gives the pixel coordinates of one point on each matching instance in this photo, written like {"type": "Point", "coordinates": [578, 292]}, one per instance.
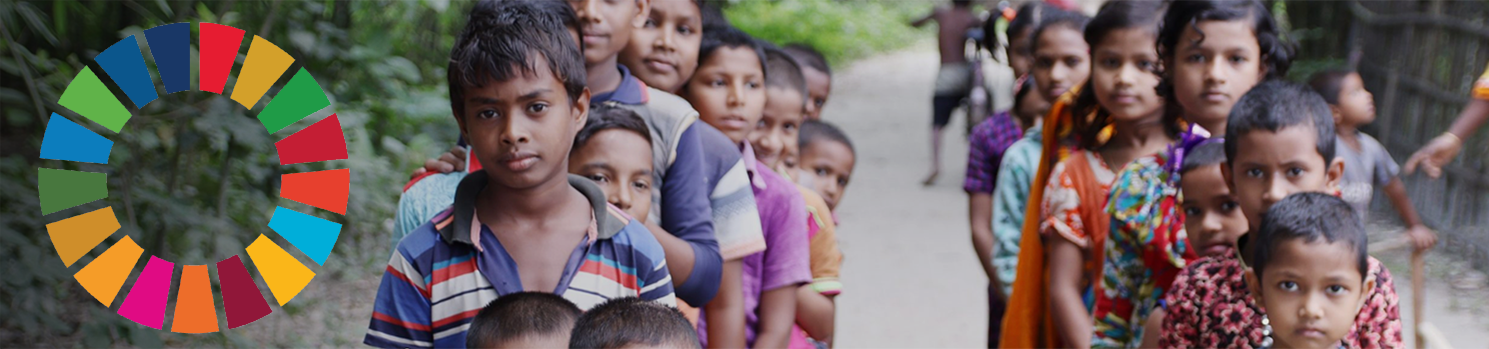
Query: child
{"type": "Point", "coordinates": [1366, 162]}
{"type": "Point", "coordinates": [785, 103]}
{"type": "Point", "coordinates": [1309, 271]}
{"type": "Point", "coordinates": [513, 226]}
{"type": "Point", "coordinates": [827, 160]}
{"type": "Point", "coordinates": [1148, 245]}
{"type": "Point", "coordinates": [524, 320]}
{"type": "Point", "coordinates": [1209, 306]}
{"type": "Point", "coordinates": [1061, 58]}
{"type": "Point", "coordinates": [729, 91]}
{"type": "Point", "coordinates": [818, 75]}
{"type": "Point", "coordinates": [663, 52]}
{"type": "Point", "coordinates": [954, 79]}
{"type": "Point", "coordinates": [614, 150]}
{"type": "Point", "coordinates": [1019, 53]}
{"type": "Point", "coordinates": [633, 323]}
{"type": "Point", "coordinates": [1126, 110]}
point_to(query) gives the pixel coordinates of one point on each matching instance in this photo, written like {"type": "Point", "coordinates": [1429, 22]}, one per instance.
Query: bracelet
{"type": "Point", "coordinates": [1450, 135]}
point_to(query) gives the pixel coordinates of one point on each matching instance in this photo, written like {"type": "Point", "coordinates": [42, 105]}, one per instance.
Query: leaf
{"type": "Point", "coordinates": [36, 21]}
{"type": "Point", "coordinates": [165, 7]}
{"type": "Point", "coordinates": [144, 337]}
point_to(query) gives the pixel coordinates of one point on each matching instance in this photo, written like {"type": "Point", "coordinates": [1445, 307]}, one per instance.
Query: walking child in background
{"type": "Point", "coordinates": [1309, 273]}
{"type": "Point", "coordinates": [524, 320]}
{"type": "Point", "coordinates": [954, 79]}
{"type": "Point", "coordinates": [522, 224]}
{"type": "Point", "coordinates": [729, 91]}
{"type": "Point", "coordinates": [1209, 305]}
{"type": "Point", "coordinates": [818, 75]}
{"type": "Point", "coordinates": [633, 323]}
{"type": "Point", "coordinates": [1366, 162]}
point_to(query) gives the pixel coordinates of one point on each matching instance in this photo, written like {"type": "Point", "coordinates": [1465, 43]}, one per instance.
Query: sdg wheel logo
{"type": "Point", "coordinates": [242, 300]}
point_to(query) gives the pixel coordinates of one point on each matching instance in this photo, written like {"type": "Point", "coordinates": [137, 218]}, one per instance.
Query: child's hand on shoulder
{"type": "Point", "coordinates": [452, 161]}
{"type": "Point", "coordinates": [1422, 237]}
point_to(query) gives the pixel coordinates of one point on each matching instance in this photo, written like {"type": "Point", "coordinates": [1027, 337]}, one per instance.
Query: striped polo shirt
{"type": "Point", "coordinates": [438, 278]}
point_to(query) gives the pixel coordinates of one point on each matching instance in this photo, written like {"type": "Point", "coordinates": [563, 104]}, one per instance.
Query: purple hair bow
{"type": "Point", "coordinates": [1188, 140]}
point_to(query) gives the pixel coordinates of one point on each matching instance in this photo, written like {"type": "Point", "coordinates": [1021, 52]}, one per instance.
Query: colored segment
{"type": "Point", "coordinates": [74, 237]}
{"type": "Point", "coordinates": [241, 298]}
{"type": "Point", "coordinates": [324, 189]}
{"type": "Point", "coordinates": [170, 46]}
{"type": "Point", "coordinates": [297, 100]}
{"type": "Point", "coordinates": [284, 275]}
{"type": "Point", "coordinates": [124, 63]}
{"type": "Point", "coordinates": [264, 65]}
{"type": "Point", "coordinates": [66, 140]}
{"type": "Point", "coordinates": [321, 141]}
{"type": "Point", "coordinates": [218, 50]}
{"type": "Point", "coordinates": [87, 96]}
{"type": "Point", "coordinates": [63, 189]}
{"type": "Point", "coordinates": [145, 303]}
{"type": "Point", "coordinates": [312, 235]}
{"type": "Point", "coordinates": [194, 310]}
{"type": "Point", "coordinates": [106, 274]}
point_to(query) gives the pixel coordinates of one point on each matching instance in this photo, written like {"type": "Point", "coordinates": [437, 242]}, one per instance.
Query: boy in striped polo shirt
{"type": "Point", "coordinates": [522, 223]}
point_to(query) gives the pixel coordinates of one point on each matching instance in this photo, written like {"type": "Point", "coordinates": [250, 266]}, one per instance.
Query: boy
{"type": "Point", "coordinates": [614, 150]}
{"type": "Point", "coordinates": [827, 160]}
{"type": "Point", "coordinates": [664, 51]}
{"type": "Point", "coordinates": [1209, 305]}
{"type": "Point", "coordinates": [513, 226]}
{"type": "Point", "coordinates": [633, 323]}
{"type": "Point", "coordinates": [1309, 271]}
{"type": "Point", "coordinates": [818, 75]}
{"type": "Point", "coordinates": [954, 79]}
{"type": "Point", "coordinates": [728, 90]}
{"type": "Point", "coordinates": [1366, 162]}
{"type": "Point", "coordinates": [523, 320]}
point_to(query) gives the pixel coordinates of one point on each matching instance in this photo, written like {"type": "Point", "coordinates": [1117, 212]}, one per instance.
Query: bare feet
{"type": "Point", "coordinates": [931, 179]}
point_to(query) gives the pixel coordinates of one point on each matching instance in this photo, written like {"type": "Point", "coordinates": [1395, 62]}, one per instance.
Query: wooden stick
{"type": "Point", "coordinates": [1418, 278]}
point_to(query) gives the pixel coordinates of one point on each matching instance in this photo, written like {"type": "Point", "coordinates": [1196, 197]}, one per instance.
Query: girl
{"type": "Point", "coordinates": [1124, 124]}
{"type": "Point", "coordinates": [1213, 52]}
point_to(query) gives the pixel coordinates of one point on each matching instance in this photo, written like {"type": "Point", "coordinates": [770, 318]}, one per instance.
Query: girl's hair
{"type": "Point", "coordinates": [1024, 90]}
{"type": "Point", "coordinates": [1113, 16]}
{"type": "Point", "coordinates": [1328, 83]}
{"type": "Point", "coordinates": [1276, 53]}
{"type": "Point", "coordinates": [1056, 19]}
{"type": "Point", "coordinates": [1029, 15]}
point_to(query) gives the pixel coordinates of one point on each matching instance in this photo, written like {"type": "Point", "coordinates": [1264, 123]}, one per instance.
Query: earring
{"type": "Point", "coordinates": [1266, 333]}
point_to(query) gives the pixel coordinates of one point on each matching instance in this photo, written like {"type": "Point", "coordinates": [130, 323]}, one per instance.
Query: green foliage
{"type": "Point", "coordinates": [841, 30]}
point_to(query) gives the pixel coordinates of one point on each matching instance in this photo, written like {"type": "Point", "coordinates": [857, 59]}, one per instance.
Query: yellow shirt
{"type": "Point", "coordinates": [1481, 87]}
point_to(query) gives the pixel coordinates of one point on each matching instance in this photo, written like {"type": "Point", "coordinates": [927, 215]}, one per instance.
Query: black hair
{"type": "Point", "coordinates": [1114, 15]}
{"type": "Point", "coordinates": [1276, 104]}
{"type": "Point", "coordinates": [715, 38]}
{"type": "Point", "coordinates": [784, 72]}
{"type": "Point", "coordinates": [604, 117]}
{"type": "Point", "coordinates": [1328, 83]}
{"type": "Point", "coordinates": [1058, 19]}
{"type": "Point", "coordinates": [1024, 90]}
{"type": "Point", "coordinates": [813, 131]}
{"type": "Point", "coordinates": [1028, 16]}
{"type": "Point", "coordinates": [1205, 154]}
{"type": "Point", "coordinates": [1276, 53]}
{"type": "Point", "coordinates": [519, 315]}
{"type": "Point", "coordinates": [961, 3]}
{"type": "Point", "coordinates": [808, 56]}
{"type": "Point", "coordinates": [627, 321]}
{"type": "Point", "coordinates": [1310, 216]}
{"type": "Point", "coordinates": [505, 39]}
{"type": "Point", "coordinates": [712, 17]}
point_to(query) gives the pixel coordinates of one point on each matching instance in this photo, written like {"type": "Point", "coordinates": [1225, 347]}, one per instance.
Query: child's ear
{"type": "Point", "coordinates": [1365, 293]}
{"type": "Point", "coordinates": [1335, 172]}
{"type": "Point", "coordinates": [1255, 284]}
{"type": "Point", "coordinates": [1226, 176]}
{"type": "Point", "coordinates": [645, 11]}
{"type": "Point", "coordinates": [580, 110]}
{"type": "Point", "coordinates": [1334, 109]}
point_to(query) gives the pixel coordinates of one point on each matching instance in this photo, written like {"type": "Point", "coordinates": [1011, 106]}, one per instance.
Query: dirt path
{"type": "Point", "coordinates": [911, 278]}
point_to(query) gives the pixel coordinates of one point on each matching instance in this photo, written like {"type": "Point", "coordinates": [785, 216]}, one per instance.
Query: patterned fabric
{"type": "Point", "coordinates": [425, 198]}
{"type": "Point", "coordinates": [1063, 202]}
{"type": "Point", "coordinates": [1146, 249]}
{"type": "Point", "coordinates": [1481, 87]}
{"type": "Point", "coordinates": [1010, 201]}
{"type": "Point", "coordinates": [440, 276]}
{"type": "Point", "coordinates": [989, 140]}
{"type": "Point", "coordinates": [1210, 307]}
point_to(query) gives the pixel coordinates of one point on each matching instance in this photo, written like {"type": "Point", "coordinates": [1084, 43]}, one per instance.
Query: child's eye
{"type": "Point", "coordinates": [641, 185]}
{"type": "Point", "coordinates": [716, 83]}
{"type": "Point", "coordinates": [1191, 212]}
{"type": "Point", "coordinates": [789, 127]}
{"type": "Point", "coordinates": [761, 124]}
{"type": "Point", "coordinates": [1195, 58]}
{"type": "Point", "coordinates": [650, 23]}
{"type": "Point", "coordinates": [1044, 63]}
{"type": "Point", "coordinates": [1335, 289]}
{"type": "Point", "coordinates": [1294, 172]}
{"type": "Point", "coordinates": [1254, 173]}
{"type": "Point", "coordinates": [1288, 286]}
{"type": "Point", "coordinates": [842, 182]}
{"type": "Point", "coordinates": [1237, 59]}
{"type": "Point", "coordinates": [685, 30]}
{"type": "Point", "coordinates": [1147, 65]}
{"type": "Point", "coordinates": [821, 172]}
{"type": "Point", "coordinates": [1228, 205]}
{"type": "Point", "coordinates": [753, 85]}
{"type": "Point", "coordinates": [819, 102]}
{"type": "Point", "coordinates": [537, 108]}
{"type": "Point", "coordinates": [1072, 61]}
{"type": "Point", "coordinates": [486, 114]}
{"type": "Point", "coordinates": [1110, 63]}
{"type": "Point", "coordinates": [599, 178]}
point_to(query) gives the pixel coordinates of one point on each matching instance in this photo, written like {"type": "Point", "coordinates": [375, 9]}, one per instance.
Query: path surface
{"type": "Point", "coordinates": [911, 278]}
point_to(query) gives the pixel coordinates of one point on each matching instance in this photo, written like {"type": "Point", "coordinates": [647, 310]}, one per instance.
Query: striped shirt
{"type": "Point", "coordinates": [438, 278]}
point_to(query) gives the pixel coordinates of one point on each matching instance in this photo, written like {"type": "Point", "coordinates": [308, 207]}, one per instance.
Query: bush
{"type": "Point", "coordinates": [841, 30]}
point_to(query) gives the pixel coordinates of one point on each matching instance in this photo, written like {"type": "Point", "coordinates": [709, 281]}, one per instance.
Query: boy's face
{"type": "Point", "coordinates": [619, 162]}
{"type": "Point", "coordinates": [1356, 105]}
{"type": "Point", "coordinates": [826, 167]}
{"type": "Point", "coordinates": [663, 52]}
{"type": "Point", "coordinates": [819, 85]}
{"type": "Point", "coordinates": [729, 91]}
{"type": "Point", "coordinates": [1211, 71]}
{"type": "Point", "coordinates": [607, 26]}
{"type": "Point", "coordinates": [775, 134]}
{"type": "Point", "coordinates": [1060, 61]}
{"type": "Point", "coordinates": [522, 129]}
{"type": "Point", "coordinates": [1311, 292]}
{"type": "Point", "coordinates": [1212, 217]}
{"type": "Point", "coordinates": [1272, 165]}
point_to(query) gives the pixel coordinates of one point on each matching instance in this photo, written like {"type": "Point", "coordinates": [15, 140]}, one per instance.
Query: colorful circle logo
{"type": "Point", "coordinates": [242, 300]}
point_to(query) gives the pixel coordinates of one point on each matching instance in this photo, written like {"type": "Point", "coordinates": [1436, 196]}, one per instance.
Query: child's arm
{"type": "Point", "coordinates": [725, 313]}
{"type": "Point", "coordinates": [1153, 329]}
{"type": "Point", "coordinates": [777, 314]}
{"type": "Point", "coordinates": [816, 313]}
{"type": "Point", "coordinates": [1441, 150]}
{"type": "Point", "coordinates": [692, 249]}
{"type": "Point", "coordinates": [980, 209]}
{"type": "Point", "coordinates": [1421, 237]}
{"type": "Point", "coordinates": [1072, 322]}
{"type": "Point", "coordinates": [927, 19]}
